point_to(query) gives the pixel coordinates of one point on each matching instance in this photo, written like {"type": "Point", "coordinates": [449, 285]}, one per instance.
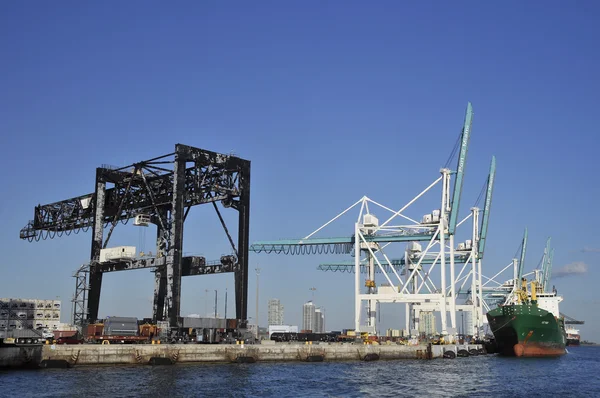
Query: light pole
{"type": "Point", "coordinates": [313, 292]}
{"type": "Point", "coordinates": [205, 303]}
{"type": "Point", "coordinates": [257, 269]}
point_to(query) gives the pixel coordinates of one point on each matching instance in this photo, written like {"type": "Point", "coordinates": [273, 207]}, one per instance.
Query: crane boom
{"type": "Point", "coordinates": [571, 321]}
{"type": "Point", "coordinates": [460, 171]}
{"type": "Point", "coordinates": [546, 263]}
{"type": "Point", "coordinates": [522, 259]}
{"type": "Point", "coordinates": [549, 269]}
{"type": "Point", "coordinates": [486, 208]}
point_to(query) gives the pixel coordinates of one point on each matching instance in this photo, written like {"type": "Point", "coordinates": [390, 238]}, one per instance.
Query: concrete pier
{"type": "Point", "coordinates": [144, 354]}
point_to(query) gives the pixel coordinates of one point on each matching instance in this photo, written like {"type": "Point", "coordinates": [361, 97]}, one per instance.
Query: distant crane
{"type": "Point", "coordinates": [571, 321]}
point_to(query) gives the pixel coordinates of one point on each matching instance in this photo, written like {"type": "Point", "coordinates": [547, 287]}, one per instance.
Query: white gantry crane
{"type": "Point", "coordinates": [410, 280]}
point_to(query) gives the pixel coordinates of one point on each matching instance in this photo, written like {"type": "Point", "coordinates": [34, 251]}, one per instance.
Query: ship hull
{"type": "Point", "coordinates": [527, 331]}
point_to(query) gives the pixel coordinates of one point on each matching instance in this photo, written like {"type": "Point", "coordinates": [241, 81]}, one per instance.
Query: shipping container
{"type": "Point", "coordinates": [95, 329]}
{"type": "Point", "coordinates": [119, 253]}
{"type": "Point", "coordinates": [120, 326]}
{"type": "Point", "coordinates": [148, 330]}
{"type": "Point", "coordinates": [64, 333]}
{"type": "Point", "coordinates": [232, 324]}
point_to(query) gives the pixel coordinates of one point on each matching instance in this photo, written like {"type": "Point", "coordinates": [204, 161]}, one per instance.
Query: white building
{"type": "Point", "coordinates": [427, 323]}
{"type": "Point", "coordinates": [308, 316]}
{"type": "Point", "coordinates": [319, 321]}
{"type": "Point", "coordinates": [18, 314]}
{"type": "Point", "coordinates": [275, 315]}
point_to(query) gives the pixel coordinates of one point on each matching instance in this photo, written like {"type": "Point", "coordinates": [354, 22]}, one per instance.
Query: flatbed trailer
{"type": "Point", "coordinates": [110, 339]}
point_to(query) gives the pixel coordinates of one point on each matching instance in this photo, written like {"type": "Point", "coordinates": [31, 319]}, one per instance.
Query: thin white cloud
{"type": "Point", "coordinates": [576, 268]}
{"type": "Point", "coordinates": [589, 249]}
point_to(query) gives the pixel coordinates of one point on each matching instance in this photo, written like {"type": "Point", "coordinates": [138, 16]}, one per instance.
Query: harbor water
{"type": "Point", "coordinates": [576, 374]}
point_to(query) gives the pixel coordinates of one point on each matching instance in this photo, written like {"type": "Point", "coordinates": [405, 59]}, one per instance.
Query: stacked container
{"type": "Point", "coordinates": [19, 314]}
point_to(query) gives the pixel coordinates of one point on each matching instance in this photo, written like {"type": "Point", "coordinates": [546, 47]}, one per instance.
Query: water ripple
{"type": "Point", "coordinates": [574, 375]}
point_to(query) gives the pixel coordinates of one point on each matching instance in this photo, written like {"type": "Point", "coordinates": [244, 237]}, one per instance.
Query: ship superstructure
{"type": "Point", "coordinates": [572, 336]}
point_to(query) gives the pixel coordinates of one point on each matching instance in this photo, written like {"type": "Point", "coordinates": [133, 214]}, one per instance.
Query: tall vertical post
{"type": "Point", "coordinates": [357, 300]}
{"type": "Point", "coordinates": [257, 291]}
{"type": "Point", "coordinates": [372, 290]}
{"type": "Point", "coordinates": [415, 312]}
{"type": "Point", "coordinates": [452, 286]}
{"type": "Point", "coordinates": [241, 274]}
{"type": "Point", "coordinates": [417, 320]}
{"type": "Point", "coordinates": [480, 301]}
{"type": "Point", "coordinates": [97, 237]}
{"type": "Point", "coordinates": [174, 252]}
{"type": "Point", "coordinates": [442, 227]}
{"type": "Point", "coordinates": [160, 277]}
{"type": "Point", "coordinates": [474, 296]}
{"type": "Point", "coordinates": [408, 306]}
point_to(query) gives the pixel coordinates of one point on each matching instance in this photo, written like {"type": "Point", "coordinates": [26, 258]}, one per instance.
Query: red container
{"type": "Point", "coordinates": [64, 333]}
{"type": "Point", "coordinates": [231, 323]}
{"type": "Point", "coordinates": [148, 330]}
{"type": "Point", "coordinates": [95, 329]}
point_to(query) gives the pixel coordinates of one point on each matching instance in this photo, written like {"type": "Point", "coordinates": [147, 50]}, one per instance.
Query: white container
{"type": "Point", "coordinates": [119, 253]}
{"type": "Point", "coordinates": [461, 246]}
{"type": "Point", "coordinates": [427, 219]}
{"type": "Point", "coordinates": [468, 244]}
{"type": "Point", "coordinates": [414, 247]}
{"type": "Point", "coordinates": [282, 329]}
{"type": "Point", "coordinates": [369, 220]}
{"type": "Point", "coordinates": [141, 220]}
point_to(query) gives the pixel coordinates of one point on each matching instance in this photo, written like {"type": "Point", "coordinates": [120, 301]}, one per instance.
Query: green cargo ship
{"type": "Point", "coordinates": [529, 327]}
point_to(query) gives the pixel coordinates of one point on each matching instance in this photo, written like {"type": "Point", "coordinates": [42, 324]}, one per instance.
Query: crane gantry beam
{"type": "Point", "coordinates": [337, 245]}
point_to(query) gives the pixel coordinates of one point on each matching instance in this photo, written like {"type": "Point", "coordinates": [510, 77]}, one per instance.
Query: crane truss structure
{"type": "Point", "coordinates": [162, 190]}
{"type": "Point", "coordinates": [370, 239]}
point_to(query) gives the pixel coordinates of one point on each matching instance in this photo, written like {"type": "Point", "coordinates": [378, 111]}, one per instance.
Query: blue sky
{"type": "Point", "coordinates": [330, 101]}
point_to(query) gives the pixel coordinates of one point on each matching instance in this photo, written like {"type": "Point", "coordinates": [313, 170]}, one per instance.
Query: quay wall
{"type": "Point", "coordinates": [113, 354]}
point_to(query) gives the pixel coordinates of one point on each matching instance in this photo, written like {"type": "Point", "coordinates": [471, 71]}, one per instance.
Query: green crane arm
{"type": "Point", "coordinates": [522, 259]}
{"type": "Point", "coordinates": [486, 208]}
{"type": "Point", "coordinates": [460, 170]}
{"type": "Point", "coordinates": [550, 260]}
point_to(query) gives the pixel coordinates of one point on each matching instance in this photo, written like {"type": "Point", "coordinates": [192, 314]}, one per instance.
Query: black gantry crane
{"type": "Point", "coordinates": [162, 190]}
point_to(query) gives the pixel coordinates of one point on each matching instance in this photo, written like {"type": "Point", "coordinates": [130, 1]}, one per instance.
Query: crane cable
{"type": "Point", "coordinates": [453, 153]}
